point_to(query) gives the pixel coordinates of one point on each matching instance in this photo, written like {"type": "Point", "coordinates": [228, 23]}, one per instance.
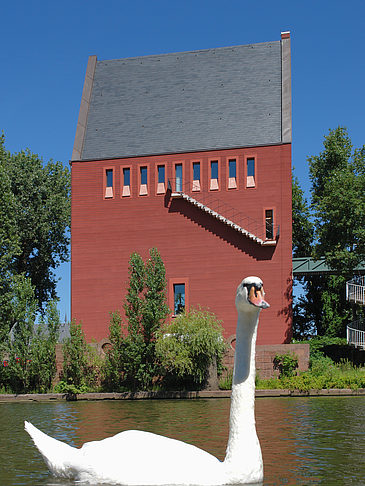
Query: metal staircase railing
{"type": "Point", "coordinates": [355, 292]}
{"type": "Point", "coordinates": [209, 203]}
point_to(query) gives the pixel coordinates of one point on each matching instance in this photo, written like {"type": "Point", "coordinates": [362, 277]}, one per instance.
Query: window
{"type": "Point", "coordinates": [108, 183]}
{"type": "Point", "coordinates": [250, 182]}
{"type": "Point", "coordinates": [196, 176]}
{"type": "Point", "coordinates": [269, 224]}
{"type": "Point", "coordinates": [178, 177]}
{"type": "Point", "coordinates": [179, 298]}
{"type": "Point", "coordinates": [160, 179]}
{"type": "Point", "coordinates": [126, 190]}
{"type": "Point", "coordinates": [214, 175]}
{"type": "Point", "coordinates": [232, 174]}
{"type": "Point", "coordinates": [143, 191]}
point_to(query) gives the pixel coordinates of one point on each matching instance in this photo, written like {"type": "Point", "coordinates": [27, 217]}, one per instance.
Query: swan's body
{"type": "Point", "coordinates": [141, 458]}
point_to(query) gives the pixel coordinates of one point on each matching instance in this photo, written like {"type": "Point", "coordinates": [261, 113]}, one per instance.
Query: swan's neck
{"type": "Point", "coordinates": [243, 445]}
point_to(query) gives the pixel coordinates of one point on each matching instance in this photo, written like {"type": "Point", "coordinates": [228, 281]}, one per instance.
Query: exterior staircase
{"type": "Point", "coordinates": [355, 292]}
{"type": "Point", "coordinates": [209, 203]}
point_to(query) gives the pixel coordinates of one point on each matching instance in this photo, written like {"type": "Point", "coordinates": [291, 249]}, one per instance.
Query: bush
{"type": "Point", "coordinates": [286, 364]}
{"type": "Point", "coordinates": [188, 346]}
{"type": "Point", "coordinates": [81, 363]}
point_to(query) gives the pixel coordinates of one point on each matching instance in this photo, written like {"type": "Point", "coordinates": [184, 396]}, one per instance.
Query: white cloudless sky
{"type": "Point", "coordinates": [45, 47]}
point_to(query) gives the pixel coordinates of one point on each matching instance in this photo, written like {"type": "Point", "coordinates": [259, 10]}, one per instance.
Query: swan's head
{"type": "Point", "coordinates": [250, 295]}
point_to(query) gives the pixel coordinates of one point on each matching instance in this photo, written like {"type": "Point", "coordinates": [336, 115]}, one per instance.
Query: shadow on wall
{"type": "Point", "coordinates": [287, 311]}
{"type": "Point", "coordinates": [219, 229]}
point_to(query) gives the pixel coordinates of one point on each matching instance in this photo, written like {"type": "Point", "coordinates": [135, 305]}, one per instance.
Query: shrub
{"type": "Point", "coordinates": [188, 346]}
{"type": "Point", "coordinates": [130, 363]}
{"type": "Point", "coordinates": [286, 364]}
{"type": "Point", "coordinates": [81, 364]}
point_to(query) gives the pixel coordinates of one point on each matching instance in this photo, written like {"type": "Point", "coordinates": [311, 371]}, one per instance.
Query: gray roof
{"type": "Point", "coordinates": [184, 102]}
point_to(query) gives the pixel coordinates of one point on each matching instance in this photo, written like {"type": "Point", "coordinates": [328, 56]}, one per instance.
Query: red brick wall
{"type": "Point", "coordinates": [211, 257]}
{"type": "Point", "coordinates": [266, 353]}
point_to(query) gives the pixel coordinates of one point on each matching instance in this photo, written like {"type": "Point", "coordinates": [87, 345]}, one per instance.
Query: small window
{"type": "Point", "coordinates": [161, 173]}
{"type": "Point", "coordinates": [232, 172]}
{"type": "Point", "coordinates": [179, 298]}
{"type": "Point", "coordinates": [214, 175]}
{"type": "Point", "coordinates": [178, 177]}
{"type": "Point", "coordinates": [108, 193]}
{"type": "Point", "coordinates": [269, 224]}
{"type": "Point", "coordinates": [143, 177]}
{"type": "Point", "coordinates": [250, 173]}
{"type": "Point", "coordinates": [160, 179]}
{"type": "Point", "coordinates": [126, 190]}
{"type": "Point", "coordinates": [196, 176]}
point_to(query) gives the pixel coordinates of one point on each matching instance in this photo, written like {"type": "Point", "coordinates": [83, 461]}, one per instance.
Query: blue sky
{"type": "Point", "coordinates": [45, 46]}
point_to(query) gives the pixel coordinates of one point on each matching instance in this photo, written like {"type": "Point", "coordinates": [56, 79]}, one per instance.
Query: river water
{"type": "Point", "coordinates": [305, 441]}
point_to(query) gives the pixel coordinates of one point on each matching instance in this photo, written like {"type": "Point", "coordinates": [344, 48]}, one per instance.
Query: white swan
{"type": "Point", "coordinates": [141, 458]}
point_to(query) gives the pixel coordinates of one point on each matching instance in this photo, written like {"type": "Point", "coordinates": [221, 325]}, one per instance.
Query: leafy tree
{"type": "Point", "coordinates": [130, 363]}
{"type": "Point", "coordinates": [29, 349]}
{"type": "Point", "coordinates": [35, 203]}
{"type": "Point", "coordinates": [338, 206]}
{"type": "Point", "coordinates": [75, 363]}
{"type": "Point", "coordinates": [302, 226]}
{"type": "Point", "coordinates": [338, 188]}
{"type": "Point", "coordinates": [188, 346]}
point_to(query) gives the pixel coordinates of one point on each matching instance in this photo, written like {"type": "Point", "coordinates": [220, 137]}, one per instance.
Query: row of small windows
{"type": "Point", "coordinates": [214, 179]}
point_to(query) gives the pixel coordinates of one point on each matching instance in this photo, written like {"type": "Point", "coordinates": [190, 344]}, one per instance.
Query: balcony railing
{"type": "Point", "coordinates": [355, 290]}
{"type": "Point", "coordinates": [356, 334]}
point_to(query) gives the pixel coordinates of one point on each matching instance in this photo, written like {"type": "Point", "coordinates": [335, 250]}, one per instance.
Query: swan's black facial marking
{"type": "Point", "coordinates": [255, 294]}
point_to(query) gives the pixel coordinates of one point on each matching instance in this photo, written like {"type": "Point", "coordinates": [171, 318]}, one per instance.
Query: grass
{"type": "Point", "coordinates": [323, 373]}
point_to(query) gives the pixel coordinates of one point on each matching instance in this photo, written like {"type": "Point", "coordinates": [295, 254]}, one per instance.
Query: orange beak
{"type": "Point", "coordinates": [256, 297]}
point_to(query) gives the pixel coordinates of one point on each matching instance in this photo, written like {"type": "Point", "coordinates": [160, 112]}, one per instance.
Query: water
{"type": "Point", "coordinates": [305, 441]}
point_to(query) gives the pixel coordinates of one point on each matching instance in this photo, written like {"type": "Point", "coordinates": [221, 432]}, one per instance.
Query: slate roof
{"type": "Point", "coordinates": [185, 102]}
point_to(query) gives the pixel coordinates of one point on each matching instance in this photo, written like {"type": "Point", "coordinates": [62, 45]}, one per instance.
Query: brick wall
{"type": "Point", "coordinates": [265, 354]}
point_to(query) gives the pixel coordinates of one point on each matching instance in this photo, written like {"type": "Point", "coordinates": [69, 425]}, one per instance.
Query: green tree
{"type": "Point", "coordinates": [34, 234]}
{"type": "Point", "coordinates": [338, 208]}
{"type": "Point", "coordinates": [338, 202]}
{"type": "Point", "coordinates": [303, 229]}
{"type": "Point", "coordinates": [75, 363]}
{"type": "Point", "coordinates": [131, 361]}
{"type": "Point", "coordinates": [188, 346]}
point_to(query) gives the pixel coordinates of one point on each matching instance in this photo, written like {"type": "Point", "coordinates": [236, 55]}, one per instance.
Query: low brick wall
{"type": "Point", "coordinates": [265, 354]}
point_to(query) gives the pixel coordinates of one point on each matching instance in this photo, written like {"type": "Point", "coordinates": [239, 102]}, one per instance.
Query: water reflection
{"type": "Point", "coordinates": [304, 441]}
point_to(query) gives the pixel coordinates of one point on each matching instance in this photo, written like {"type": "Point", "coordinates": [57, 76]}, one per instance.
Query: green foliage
{"type": "Point", "coordinates": [338, 207]}
{"type": "Point", "coordinates": [81, 363]}
{"type": "Point", "coordinates": [302, 226]}
{"type": "Point", "coordinates": [225, 382]}
{"type": "Point", "coordinates": [286, 364]}
{"type": "Point", "coordinates": [131, 361]}
{"type": "Point", "coordinates": [338, 188]}
{"type": "Point", "coordinates": [30, 348]}
{"type": "Point", "coordinates": [332, 375]}
{"type": "Point", "coordinates": [42, 367]}
{"type": "Point", "coordinates": [188, 346]}
{"type": "Point", "coordinates": [34, 218]}
{"type": "Point", "coordinates": [70, 389]}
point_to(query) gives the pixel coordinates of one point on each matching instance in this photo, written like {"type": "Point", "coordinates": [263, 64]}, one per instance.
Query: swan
{"type": "Point", "coordinates": [141, 458]}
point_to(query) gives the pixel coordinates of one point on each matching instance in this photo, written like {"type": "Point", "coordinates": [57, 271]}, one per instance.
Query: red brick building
{"type": "Point", "coordinates": [189, 153]}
